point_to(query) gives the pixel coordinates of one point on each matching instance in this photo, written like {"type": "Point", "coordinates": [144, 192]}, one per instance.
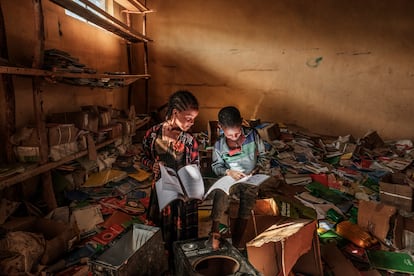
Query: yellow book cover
{"type": "Point", "coordinates": [140, 175]}
{"type": "Point", "coordinates": [101, 178]}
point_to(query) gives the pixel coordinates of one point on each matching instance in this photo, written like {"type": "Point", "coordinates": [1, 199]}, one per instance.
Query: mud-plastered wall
{"type": "Point", "coordinates": [333, 67]}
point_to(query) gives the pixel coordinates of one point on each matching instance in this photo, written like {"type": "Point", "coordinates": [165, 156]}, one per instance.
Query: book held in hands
{"type": "Point", "coordinates": [185, 184]}
{"type": "Point", "coordinates": [226, 182]}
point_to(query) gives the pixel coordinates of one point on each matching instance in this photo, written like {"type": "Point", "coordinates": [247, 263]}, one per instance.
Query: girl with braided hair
{"type": "Point", "coordinates": [171, 144]}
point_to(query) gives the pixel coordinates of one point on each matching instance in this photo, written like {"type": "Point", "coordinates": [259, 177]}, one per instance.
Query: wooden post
{"type": "Point", "coordinates": [7, 104]}
{"type": "Point", "coordinates": [48, 192]}
{"type": "Point", "coordinates": [144, 30]}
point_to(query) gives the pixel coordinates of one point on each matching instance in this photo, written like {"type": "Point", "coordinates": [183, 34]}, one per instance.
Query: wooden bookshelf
{"type": "Point", "coordinates": [127, 79]}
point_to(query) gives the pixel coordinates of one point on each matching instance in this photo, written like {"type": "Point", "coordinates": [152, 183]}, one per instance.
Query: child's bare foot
{"type": "Point", "coordinates": [215, 241]}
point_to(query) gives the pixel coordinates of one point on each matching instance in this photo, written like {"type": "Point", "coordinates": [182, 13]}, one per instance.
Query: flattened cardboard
{"type": "Point", "coordinates": [394, 191]}
{"type": "Point", "coordinates": [397, 195]}
{"type": "Point", "coordinates": [375, 218]}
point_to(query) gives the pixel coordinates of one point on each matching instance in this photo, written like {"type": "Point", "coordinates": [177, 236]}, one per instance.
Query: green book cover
{"type": "Point", "coordinates": [394, 261]}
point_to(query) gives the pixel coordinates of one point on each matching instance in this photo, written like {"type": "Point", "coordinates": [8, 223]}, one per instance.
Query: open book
{"type": "Point", "coordinates": [226, 182]}
{"type": "Point", "coordinates": [186, 183]}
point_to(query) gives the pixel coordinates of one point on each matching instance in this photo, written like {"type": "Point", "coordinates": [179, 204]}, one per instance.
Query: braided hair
{"type": "Point", "coordinates": [181, 100]}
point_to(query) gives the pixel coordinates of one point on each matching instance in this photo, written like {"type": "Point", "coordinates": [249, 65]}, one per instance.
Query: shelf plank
{"type": "Point", "coordinates": [33, 171]}
{"type": "Point", "coordinates": [103, 20]}
{"type": "Point", "coordinates": [133, 5]}
{"type": "Point", "coordinates": [45, 73]}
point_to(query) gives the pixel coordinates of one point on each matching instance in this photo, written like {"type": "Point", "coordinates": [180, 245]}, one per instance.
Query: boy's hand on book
{"type": "Point", "coordinates": [235, 174]}
{"type": "Point", "coordinates": [255, 170]}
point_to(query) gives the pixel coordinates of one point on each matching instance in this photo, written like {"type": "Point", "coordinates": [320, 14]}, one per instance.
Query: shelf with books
{"type": "Point", "coordinates": [19, 172]}
{"type": "Point", "coordinates": [12, 173]}
{"type": "Point", "coordinates": [122, 79]}
{"type": "Point", "coordinates": [31, 170]}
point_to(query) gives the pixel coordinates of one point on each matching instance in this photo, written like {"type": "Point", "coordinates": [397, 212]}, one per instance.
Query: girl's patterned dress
{"type": "Point", "coordinates": [178, 220]}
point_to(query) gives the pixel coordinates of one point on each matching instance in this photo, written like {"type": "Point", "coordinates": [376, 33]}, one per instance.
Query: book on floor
{"type": "Point", "coordinates": [226, 182]}
{"type": "Point", "coordinates": [297, 179]}
{"type": "Point", "coordinates": [186, 183]}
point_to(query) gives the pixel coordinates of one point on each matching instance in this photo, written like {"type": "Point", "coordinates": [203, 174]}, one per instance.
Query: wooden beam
{"type": "Point", "coordinates": [9, 108]}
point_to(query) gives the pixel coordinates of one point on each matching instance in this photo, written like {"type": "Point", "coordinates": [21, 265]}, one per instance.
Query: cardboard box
{"type": "Point", "coordinates": [287, 245]}
{"type": "Point", "coordinates": [255, 224]}
{"type": "Point", "coordinates": [394, 191]}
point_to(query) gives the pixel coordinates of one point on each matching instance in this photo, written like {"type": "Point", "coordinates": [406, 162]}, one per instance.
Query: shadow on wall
{"type": "Point", "coordinates": [313, 66]}
{"type": "Point", "coordinates": [215, 90]}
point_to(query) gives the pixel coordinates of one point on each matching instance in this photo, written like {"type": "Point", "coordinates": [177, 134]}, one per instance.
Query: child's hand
{"type": "Point", "coordinates": [235, 174]}
{"type": "Point", "coordinates": [255, 170]}
{"type": "Point", "coordinates": [156, 168]}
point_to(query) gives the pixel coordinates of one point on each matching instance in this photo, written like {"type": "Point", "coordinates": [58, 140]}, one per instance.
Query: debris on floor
{"type": "Point", "coordinates": [358, 192]}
